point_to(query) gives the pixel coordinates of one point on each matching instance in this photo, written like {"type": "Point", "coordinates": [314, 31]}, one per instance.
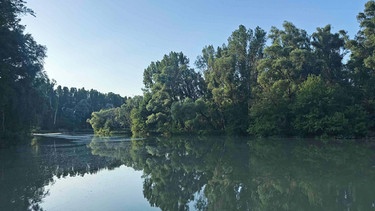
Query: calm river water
{"type": "Point", "coordinates": [84, 172]}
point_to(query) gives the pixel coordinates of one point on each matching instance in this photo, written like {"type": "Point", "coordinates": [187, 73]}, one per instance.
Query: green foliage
{"type": "Point", "coordinates": [316, 112]}
{"type": "Point", "coordinates": [28, 99]}
{"type": "Point", "coordinates": [166, 82]}
{"type": "Point", "coordinates": [329, 50]}
{"type": "Point", "coordinates": [103, 121]}
{"type": "Point", "coordinates": [191, 116]}
{"type": "Point", "coordinates": [106, 121]}
{"type": "Point", "coordinates": [283, 67]}
{"type": "Point", "coordinates": [21, 66]}
{"type": "Point", "coordinates": [72, 107]}
{"type": "Point", "coordinates": [138, 117]}
{"type": "Point", "coordinates": [269, 115]}
{"type": "Point", "coordinates": [298, 85]}
{"type": "Point", "coordinates": [361, 61]}
{"type": "Point", "coordinates": [323, 110]}
{"type": "Point", "coordinates": [366, 36]}
{"type": "Point", "coordinates": [230, 72]}
{"type": "Point", "coordinates": [303, 87]}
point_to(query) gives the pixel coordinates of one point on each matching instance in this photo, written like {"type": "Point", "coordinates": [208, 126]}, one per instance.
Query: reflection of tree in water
{"type": "Point", "coordinates": [24, 171]}
{"type": "Point", "coordinates": [74, 160]}
{"type": "Point", "coordinates": [292, 176]}
{"type": "Point", "coordinates": [227, 174]}
{"type": "Point", "coordinates": [21, 180]}
{"type": "Point", "coordinates": [171, 176]}
{"type": "Point", "coordinates": [110, 148]}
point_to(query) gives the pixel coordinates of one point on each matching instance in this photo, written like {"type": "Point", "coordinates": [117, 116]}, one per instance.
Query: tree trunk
{"type": "Point", "coordinates": [57, 107]}
{"type": "Point", "coordinates": [3, 121]}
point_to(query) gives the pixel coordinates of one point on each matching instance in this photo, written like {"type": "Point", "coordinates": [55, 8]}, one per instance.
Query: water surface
{"type": "Point", "coordinates": [85, 172]}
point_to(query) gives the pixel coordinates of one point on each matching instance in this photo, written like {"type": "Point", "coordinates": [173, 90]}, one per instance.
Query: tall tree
{"type": "Point", "coordinates": [167, 81]}
{"type": "Point", "coordinates": [286, 63]}
{"type": "Point", "coordinates": [21, 62]}
{"type": "Point", "coordinates": [329, 51]}
{"type": "Point", "coordinates": [230, 74]}
{"type": "Point", "coordinates": [362, 60]}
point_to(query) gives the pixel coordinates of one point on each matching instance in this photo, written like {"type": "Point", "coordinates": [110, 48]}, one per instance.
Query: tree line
{"type": "Point", "coordinates": [69, 108]}
{"type": "Point", "coordinates": [284, 83]}
{"type": "Point", "coordinates": [28, 98]}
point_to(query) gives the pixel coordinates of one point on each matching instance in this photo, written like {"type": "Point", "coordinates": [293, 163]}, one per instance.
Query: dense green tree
{"type": "Point", "coordinates": [104, 121]}
{"type": "Point", "coordinates": [362, 61]}
{"type": "Point", "coordinates": [286, 64]}
{"type": "Point", "coordinates": [167, 81]}
{"type": "Point", "coordinates": [173, 76]}
{"type": "Point", "coordinates": [302, 79]}
{"type": "Point", "coordinates": [297, 85]}
{"type": "Point", "coordinates": [322, 110]}
{"type": "Point", "coordinates": [230, 72]}
{"type": "Point", "coordinates": [329, 51]}
{"type": "Point", "coordinates": [21, 63]}
{"type": "Point", "coordinates": [138, 116]}
{"type": "Point", "coordinates": [116, 119]}
{"type": "Point", "coordinates": [124, 115]}
{"type": "Point", "coordinates": [47, 101]}
{"type": "Point", "coordinates": [113, 100]}
{"type": "Point", "coordinates": [72, 107]}
{"type": "Point", "coordinates": [192, 116]}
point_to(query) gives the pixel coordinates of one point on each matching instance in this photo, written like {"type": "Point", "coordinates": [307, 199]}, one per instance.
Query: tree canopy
{"type": "Point", "coordinates": [21, 70]}
{"type": "Point", "coordinates": [299, 84]}
{"type": "Point", "coordinates": [286, 82]}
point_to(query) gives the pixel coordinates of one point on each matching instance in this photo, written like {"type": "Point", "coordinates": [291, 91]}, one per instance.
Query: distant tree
{"type": "Point", "coordinates": [71, 107]}
{"type": "Point", "coordinates": [46, 101]}
{"type": "Point", "coordinates": [111, 120]}
{"type": "Point", "coordinates": [113, 100]}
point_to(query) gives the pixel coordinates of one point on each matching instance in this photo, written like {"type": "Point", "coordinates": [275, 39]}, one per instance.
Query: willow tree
{"type": "Point", "coordinates": [230, 74]}
{"type": "Point", "coordinates": [286, 63]}
{"type": "Point", "coordinates": [167, 81]}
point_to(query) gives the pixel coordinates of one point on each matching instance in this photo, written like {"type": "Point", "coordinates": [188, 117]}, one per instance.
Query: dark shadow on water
{"type": "Point", "coordinates": [26, 170]}
{"type": "Point", "coordinates": [202, 173]}
{"type": "Point", "coordinates": [242, 174]}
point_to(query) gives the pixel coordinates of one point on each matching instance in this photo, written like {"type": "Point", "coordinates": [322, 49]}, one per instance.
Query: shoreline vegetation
{"type": "Point", "coordinates": [284, 82]}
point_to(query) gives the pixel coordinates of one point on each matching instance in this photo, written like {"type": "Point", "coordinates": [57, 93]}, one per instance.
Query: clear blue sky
{"type": "Point", "coordinates": [106, 45]}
